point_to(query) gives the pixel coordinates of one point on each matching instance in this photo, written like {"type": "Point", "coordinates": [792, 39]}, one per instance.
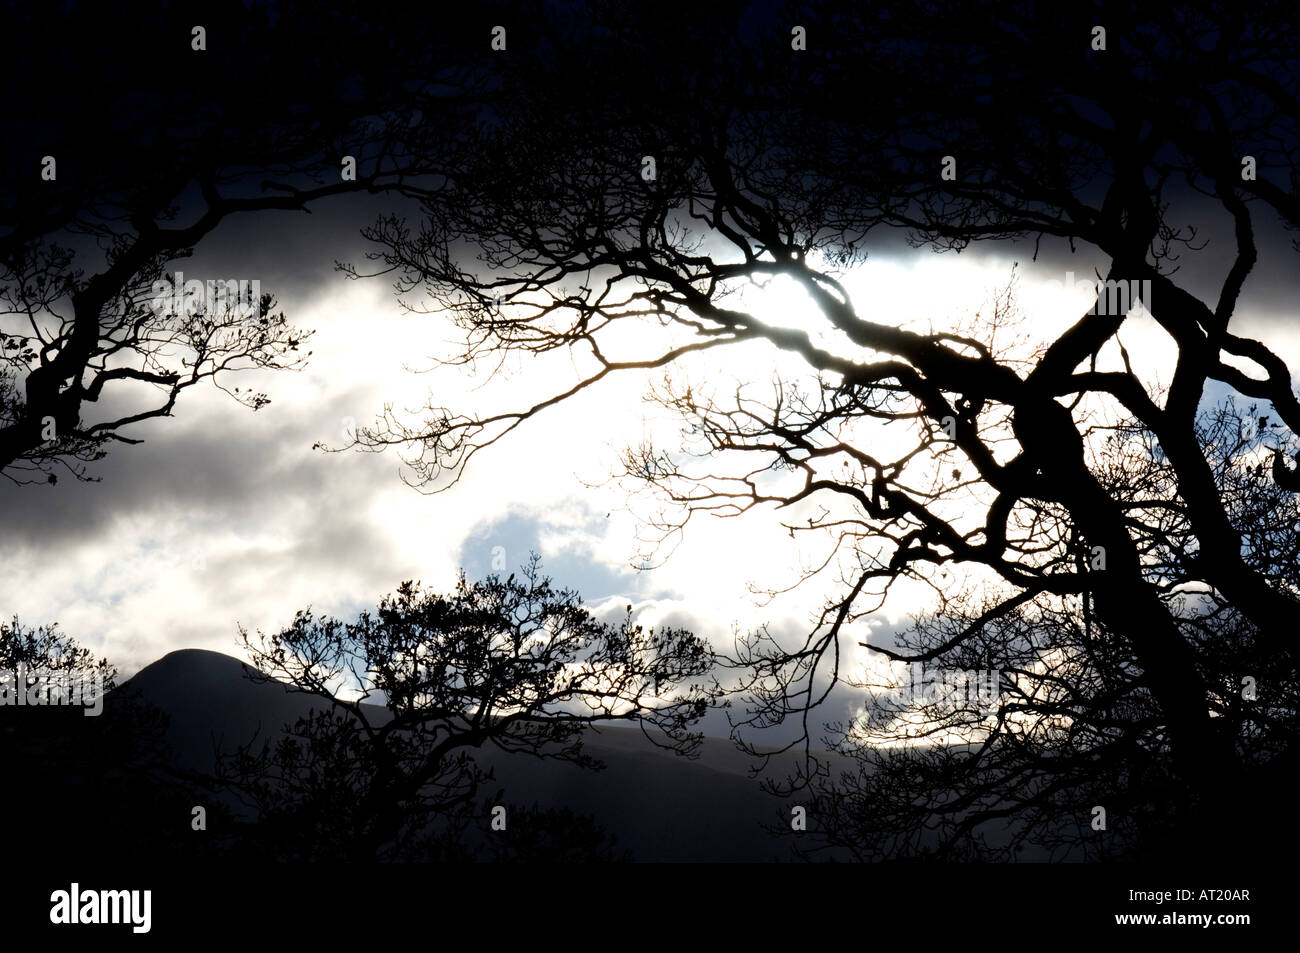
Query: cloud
{"type": "Point", "coordinates": [225, 516]}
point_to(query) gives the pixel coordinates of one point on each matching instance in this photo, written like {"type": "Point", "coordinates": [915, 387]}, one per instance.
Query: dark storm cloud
{"type": "Point", "coordinates": [292, 254]}
{"type": "Point", "coordinates": [218, 464]}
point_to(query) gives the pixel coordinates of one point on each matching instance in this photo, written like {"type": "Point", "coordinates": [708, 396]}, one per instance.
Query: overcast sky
{"type": "Point", "coordinates": [225, 517]}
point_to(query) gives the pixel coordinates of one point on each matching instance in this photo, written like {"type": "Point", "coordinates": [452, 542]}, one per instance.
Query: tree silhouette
{"type": "Point", "coordinates": [91, 756]}
{"type": "Point", "coordinates": [1074, 725]}
{"type": "Point", "coordinates": [109, 191]}
{"type": "Point", "coordinates": [46, 651]}
{"type": "Point", "coordinates": [1128, 582]}
{"type": "Point", "coordinates": [511, 663]}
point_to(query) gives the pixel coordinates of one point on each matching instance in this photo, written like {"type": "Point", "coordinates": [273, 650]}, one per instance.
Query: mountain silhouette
{"type": "Point", "coordinates": [659, 806]}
